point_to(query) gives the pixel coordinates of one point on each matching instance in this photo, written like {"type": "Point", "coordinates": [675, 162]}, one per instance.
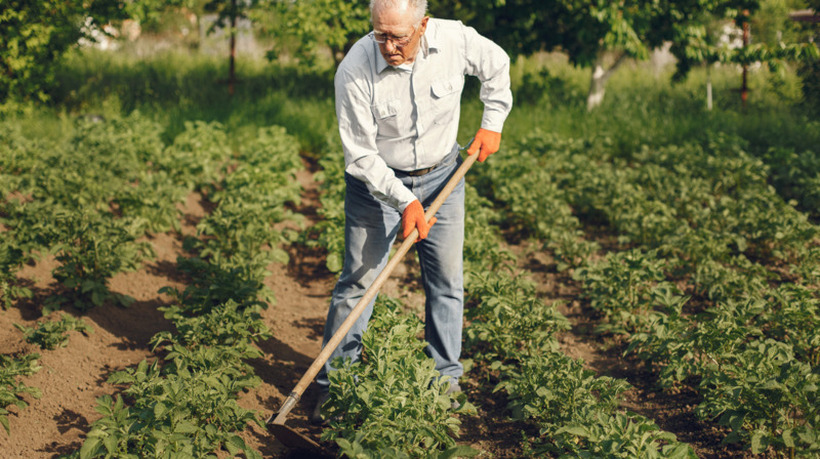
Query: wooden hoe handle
{"type": "Point", "coordinates": [371, 293]}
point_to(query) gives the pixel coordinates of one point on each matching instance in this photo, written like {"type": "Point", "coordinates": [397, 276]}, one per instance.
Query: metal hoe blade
{"type": "Point", "coordinates": [286, 435]}
{"type": "Point", "coordinates": [293, 439]}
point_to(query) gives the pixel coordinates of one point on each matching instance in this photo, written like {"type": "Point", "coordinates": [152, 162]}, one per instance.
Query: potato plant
{"type": "Point", "coordinates": [619, 287]}
{"type": "Point", "coordinates": [91, 248]}
{"type": "Point", "coordinates": [186, 405]}
{"type": "Point", "coordinates": [52, 334]}
{"type": "Point", "coordinates": [328, 233]}
{"type": "Point", "coordinates": [767, 398]}
{"type": "Point", "coordinates": [187, 410]}
{"type": "Point", "coordinates": [12, 256]}
{"type": "Point", "coordinates": [392, 403]}
{"type": "Point", "coordinates": [12, 390]}
{"type": "Point", "coordinates": [196, 158]}
{"type": "Point", "coordinates": [724, 284]}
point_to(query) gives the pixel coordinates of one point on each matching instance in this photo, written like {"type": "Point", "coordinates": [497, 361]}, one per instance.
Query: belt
{"type": "Point", "coordinates": [419, 172]}
{"type": "Point", "coordinates": [449, 159]}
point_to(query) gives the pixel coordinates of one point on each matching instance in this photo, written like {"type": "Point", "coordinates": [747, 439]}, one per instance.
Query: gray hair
{"type": "Point", "coordinates": [419, 7]}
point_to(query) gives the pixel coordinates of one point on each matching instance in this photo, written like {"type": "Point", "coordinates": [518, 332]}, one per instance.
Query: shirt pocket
{"type": "Point", "coordinates": [387, 117]}
{"type": "Point", "coordinates": [446, 96]}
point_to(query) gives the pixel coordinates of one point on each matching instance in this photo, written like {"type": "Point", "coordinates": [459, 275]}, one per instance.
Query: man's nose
{"type": "Point", "coordinates": [389, 46]}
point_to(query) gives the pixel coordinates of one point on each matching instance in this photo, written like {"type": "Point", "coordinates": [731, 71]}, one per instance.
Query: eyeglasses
{"type": "Point", "coordinates": [398, 42]}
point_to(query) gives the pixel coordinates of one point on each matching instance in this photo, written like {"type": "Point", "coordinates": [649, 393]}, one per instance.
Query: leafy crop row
{"type": "Point", "coordinates": [513, 334]}
{"type": "Point", "coordinates": [88, 199]}
{"type": "Point", "coordinates": [755, 375]}
{"type": "Point", "coordinates": [187, 407]}
{"type": "Point", "coordinates": [709, 282]}
{"type": "Point", "coordinates": [52, 334]}
{"type": "Point", "coordinates": [390, 403]}
{"type": "Point", "coordinates": [328, 233]}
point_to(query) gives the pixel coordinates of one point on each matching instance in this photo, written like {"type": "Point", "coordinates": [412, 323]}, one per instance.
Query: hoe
{"type": "Point", "coordinates": [276, 423]}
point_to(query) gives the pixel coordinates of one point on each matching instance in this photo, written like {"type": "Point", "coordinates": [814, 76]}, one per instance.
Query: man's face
{"type": "Point", "coordinates": [398, 26]}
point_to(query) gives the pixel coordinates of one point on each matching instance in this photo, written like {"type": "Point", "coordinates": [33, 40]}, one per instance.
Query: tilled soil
{"type": "Point", "coordinates": [73, 377]}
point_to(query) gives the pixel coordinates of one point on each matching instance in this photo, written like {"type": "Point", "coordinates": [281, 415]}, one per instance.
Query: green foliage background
{"type": "Point", "coordinates": [35, 34]}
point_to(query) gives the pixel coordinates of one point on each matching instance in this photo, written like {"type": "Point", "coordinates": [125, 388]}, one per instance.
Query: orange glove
{"type": "Point", "coordinates": [413, 217]}
{"type": "Point", "coordinates": [485, 143]}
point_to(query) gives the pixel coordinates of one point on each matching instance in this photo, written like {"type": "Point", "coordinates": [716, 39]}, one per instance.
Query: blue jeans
{"type": "Point", "coordinates": [370, 229]}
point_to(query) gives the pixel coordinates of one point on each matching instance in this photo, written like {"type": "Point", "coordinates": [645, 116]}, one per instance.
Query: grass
{"type": "Point", "coordinates": [645, 108]}
{"type": "Point", "coordinates": [175, 87]}
{"type": "Point", "coordinates": [642, 106]}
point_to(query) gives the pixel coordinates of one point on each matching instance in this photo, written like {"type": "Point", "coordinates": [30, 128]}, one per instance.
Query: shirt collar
{"type": "Point", "coordinates": [430, 42]}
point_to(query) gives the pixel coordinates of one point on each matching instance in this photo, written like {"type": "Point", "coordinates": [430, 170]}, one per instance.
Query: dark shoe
{"type": "Point", "coordinates": [453, 391]}
{"type": "Point", "coordinates": [316, 417]}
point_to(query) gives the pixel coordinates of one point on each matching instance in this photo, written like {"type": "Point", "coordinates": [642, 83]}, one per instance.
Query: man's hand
{"type": "Point", "coordinates": [413, 217]}
{"type": "Point", "coordinates": [485, 143]}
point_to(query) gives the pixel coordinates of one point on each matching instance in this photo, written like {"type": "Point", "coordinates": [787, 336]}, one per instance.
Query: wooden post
{"type": "Point", "coordinates": [231, 70]}
{"type": "Point", "coordinates": [744, 88]}
{"type": "Point", "coordinates": [709, 87]}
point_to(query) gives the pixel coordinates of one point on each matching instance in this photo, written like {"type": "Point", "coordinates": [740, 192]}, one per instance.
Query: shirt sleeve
{"type": "Point", "coordinates": [357, 128]}
{"type": "Point", "coordinates": [490, 63]}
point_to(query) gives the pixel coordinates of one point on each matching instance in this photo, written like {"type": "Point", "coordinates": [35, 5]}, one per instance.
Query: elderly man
{"type": "Point", "coordinates": [398, 94]}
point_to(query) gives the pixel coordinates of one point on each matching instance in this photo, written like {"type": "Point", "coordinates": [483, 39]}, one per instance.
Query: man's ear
{"type": "Point", "coordinates": [423, 26]}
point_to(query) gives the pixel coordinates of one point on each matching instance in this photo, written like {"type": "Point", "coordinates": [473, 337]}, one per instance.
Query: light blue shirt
{"type": "Point", "coordinates": [406, 117]}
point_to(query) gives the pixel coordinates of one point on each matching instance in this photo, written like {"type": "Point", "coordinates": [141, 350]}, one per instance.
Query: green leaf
{"type": "Point", "coordinates": [90, 448]}
{"type": "Point", "coordinates": [185, 427]}
{"type": "Point", "coordinates": [334, 262]}
{"type": "Point", "coordinates": [459, 451]}
{"type": "Point", "coordinates": [235, 444]}
{"type": "Point", "coordinates": [111, 444]}
{"type": "Point", "coordinates": [578, 431]}
{"type": "Point", "coordinates": [787, 437]}
{"type": "Point", "coordinates": [757, 442]}
{"type": "Point", "coordinates": [159, 410]}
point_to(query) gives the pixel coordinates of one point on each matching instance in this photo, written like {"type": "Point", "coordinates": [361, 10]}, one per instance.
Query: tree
{"type": "Point", "coordinates": [305, 27]}
{"type": "Point", "coordinates": [586, 30]}
{"type": "Point", "coordinates": [228, 13]}
{"type": "Point", "coordinates": [34, 34]}
{"type": "Point", "coordinates": [776, 42]}
{"type": "Point", "coordinates": [810, 71]}
{"type": "Point", "coordinates": [589, 31]}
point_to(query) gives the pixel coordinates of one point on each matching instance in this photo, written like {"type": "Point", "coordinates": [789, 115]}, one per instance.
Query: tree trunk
{"type": "Point", "coordinates": [744, 88]}
{"type": "Point", "coordinates": [198, 25]}
{"type": "Point", "coordinates": [597, 85]}
{"type": "Point", "coordinates": [232, 71]}
{"type": "Point", "coordinates": [709, 87]}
